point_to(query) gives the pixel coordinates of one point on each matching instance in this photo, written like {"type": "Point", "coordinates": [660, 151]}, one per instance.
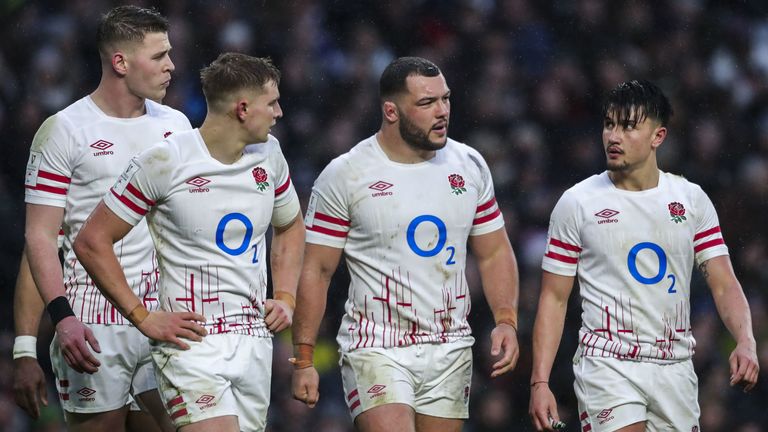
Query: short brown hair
{"type": "Point", "coordinates": [127, 24]}
{"type": "Point", "coordinates": [232, 72]}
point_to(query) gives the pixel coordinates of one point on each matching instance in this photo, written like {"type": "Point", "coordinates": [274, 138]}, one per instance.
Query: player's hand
{"type": "Point", "coordinates": [74, 338]}
{"type": "Point", "coordinates": [504, 343]}
{"type": "Point", "coordinates": [172, 326]}
{"type": "Point", "coordinates": [543, 408]}
{"type": "Point", "coordinates": [304, 385]}
{"type": "Point", "coordinates": [29, 385]}
{"type": "Point", "coordinates": [279, 315]}
{"type": "Point", "coordinates": [744, 366]}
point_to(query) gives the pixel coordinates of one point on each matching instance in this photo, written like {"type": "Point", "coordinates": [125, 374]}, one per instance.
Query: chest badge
{"type": "Point", "coordinates": [260, 176]}
{"type": "Point", "coordinates": [676, 212]}
{"type": "Point", "coordinates": [457, 184]}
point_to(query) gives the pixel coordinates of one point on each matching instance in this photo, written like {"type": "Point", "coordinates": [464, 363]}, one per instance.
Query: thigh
{"type": "Point", "coordinates": [426, 423]}
{"type": "Point", "coordinates": [193, 384]}
{"type": "Point", "coordinates": [109, 388]}
{"type": "Point", "coordinates": [674, 398]}
{"type": "Point", "coordinates": [372, 378]}
{"type": "Point", "coordinates": [251, 385]}
{"type": "Point", "coordinates": [608, 394]}
{"type": "Point", "coordinates": [387, 418]}
{"type": "Point", "coordinates": [113, 420]}
{"type": "Point", "coordinates": [443, 389]}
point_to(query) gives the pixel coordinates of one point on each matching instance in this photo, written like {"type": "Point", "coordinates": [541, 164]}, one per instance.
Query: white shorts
{"type": "Point", "coordinates": [615, 393]}
{"type": "Point", "coordinates": [126, 369]}
{"type": "Point", "coordinates": [225, 374]}
{"type": "Point", "coordinates": [434, 379]}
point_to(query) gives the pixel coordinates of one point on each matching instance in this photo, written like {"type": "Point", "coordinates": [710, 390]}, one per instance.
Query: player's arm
{"type": "Point", "coordinates": [42, 229]}
{"type": "Point", "coordinates": [498, 272]}
{"type": "Point", "coordinates": [93, 247]}
{"type": "Point", "coordinates": [320, 263]}
{"type": "Point", "coordinates": [286, 256]}
{"type": "Point", "coordinates": [547, 332]}
{"type": "Point", "coordinates": [734, 310]}
{"type": "Point", "coordinates": [28, 378]}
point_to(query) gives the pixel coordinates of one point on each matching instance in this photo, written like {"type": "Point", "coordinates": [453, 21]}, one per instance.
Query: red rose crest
{"type": "Point", "coordinates": [260, 175]}
{"type": "Point", "coordinates": [457, 184]}
{"type": "Point", "coordinates": [676, 212]}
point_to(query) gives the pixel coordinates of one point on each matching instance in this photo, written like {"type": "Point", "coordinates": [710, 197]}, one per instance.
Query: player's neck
{"type": "Point", "coordinates": [222, 142]}
{"type": "Point", "coordinates": [116, 101]}
{"type": "Point", "coordinates": [397, 150]}
{"type": "Point", "coordinates": [635, 180]}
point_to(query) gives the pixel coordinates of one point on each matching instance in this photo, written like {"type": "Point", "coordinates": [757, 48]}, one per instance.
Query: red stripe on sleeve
{"type": "Point", "coordinates": [175, 401]}
{"type": "Point", "coordinates": [486, 218]}
{"type": "Point", "coordinates": [566, 246]}
{"type": "Point", "coordinates": [709, 244]}
{"type": "Point", "coordinates": [55, 177]}
{"type": "Point", "coordinates": [179, 413]}
{"type": "Point", "coordinates": [330, 232]}
{"type": "Point", "coordinates": [486, 206]}
{"type": "Point", "coordinates": [284, 187]}
{"type": "Point", "coordinates": [331, 219]}
{"type": "Point", "coordinates": [562, 258]}
{"type": "Point", "coordinates": [46, 188]}
{"type": "Point", "coordinates": [137, 193]}
{"type": "Point", "coordinates": [128, 203]}
{"type": "Point", "coordinates": [706, 233]}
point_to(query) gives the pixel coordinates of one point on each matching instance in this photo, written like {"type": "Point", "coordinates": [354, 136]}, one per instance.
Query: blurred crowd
{"type": "Point", "coordinates": [527, 78]}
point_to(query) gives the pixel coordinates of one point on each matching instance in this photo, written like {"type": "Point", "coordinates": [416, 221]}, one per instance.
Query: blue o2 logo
{"type": "Point", "coordinates": [442, 237]}
{"type": "Point", "coordinates": [241, 219]}
{"type": "Point", "coordinates": [659, 276]}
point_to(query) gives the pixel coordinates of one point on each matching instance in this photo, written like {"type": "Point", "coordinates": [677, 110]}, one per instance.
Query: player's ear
{"type": "Point", "coordinates": [391, 113]}
{"type": "Point", "coordinates": [241, 109]}
{"type": "Point", "coordinates": [119, 63]}
{"type": "Point", "coordinates": [659, 134]}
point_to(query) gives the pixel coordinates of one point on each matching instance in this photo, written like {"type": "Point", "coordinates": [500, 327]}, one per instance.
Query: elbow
{"type": "Point", "coordinates": [84, 246]}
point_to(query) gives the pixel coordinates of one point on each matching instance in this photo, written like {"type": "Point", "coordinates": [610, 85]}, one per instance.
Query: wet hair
{"type": "Point", "coordinates": [231, 72]}
{"type": "Point", "coordinates": [127, 24]}
{"type": "Point", "coordinates": [393, 78]}
{"type": "Point", "coordinates": [640, 98]}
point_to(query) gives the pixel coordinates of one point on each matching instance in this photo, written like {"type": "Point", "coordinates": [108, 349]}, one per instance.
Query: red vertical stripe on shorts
{"type": "Point", "coordinates": [179, 413]}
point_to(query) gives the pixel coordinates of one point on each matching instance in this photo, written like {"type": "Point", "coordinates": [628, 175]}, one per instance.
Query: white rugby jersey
{"type": "Point", "coordinates": [633, 253]}
{"type": "Point", "coordinates": [208, 221]}
{"type": "Point", "coordinates": [404, 229]}
{"type": "Point", "coordinates": [75, 157]}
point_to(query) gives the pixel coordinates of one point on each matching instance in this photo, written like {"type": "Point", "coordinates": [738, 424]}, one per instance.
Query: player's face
{"type": "Point", "coordinates": [149, 67]}
{"type": "Point", "coordinates": [424, 112]}
{"type": "Point", "coordinates": [629, 144]}
{"type": "Point", "coordinates": [263, 112]}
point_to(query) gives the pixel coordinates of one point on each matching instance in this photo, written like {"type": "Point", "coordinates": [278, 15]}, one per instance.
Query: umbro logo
{"type": "Point", "coordinates": [87, 394]}
{"type": "Point", "coordinates": [607, 216]}
{"type": "Point", "coordinates": [206, 401]}
{"type": "Point", "coordinates": [102, 146]}
{"type": "Point", "coordinates": [377, 390]}
{"type": "Point", "coordinates": [381, 187]}
{"type": "Point", "coordinates": [198, 184]}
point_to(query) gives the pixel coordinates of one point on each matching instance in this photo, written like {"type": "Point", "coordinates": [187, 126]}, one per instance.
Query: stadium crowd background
{"type": "Point", "coordinates": [527, 78]}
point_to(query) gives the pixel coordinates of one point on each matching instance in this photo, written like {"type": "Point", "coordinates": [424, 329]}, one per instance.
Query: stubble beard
{"type": "Point", "coordinates": [417, 138]}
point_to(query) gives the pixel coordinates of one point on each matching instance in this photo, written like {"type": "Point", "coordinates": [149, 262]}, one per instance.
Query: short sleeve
{"type": "Point", "coordinates": [708, 241]}
{"type": "Point", "coordinates": [327, 220]}
{"type": "Point", "coordinates": [49, 167]}
{"type": "Point", "coordinates": [143, 183]}
{"type": "Point", "coordinates": [488, 217]}
{"type": "Point", "coordinates": [286, 201]}
{"type": "Point", "coordinates": [563, 240]}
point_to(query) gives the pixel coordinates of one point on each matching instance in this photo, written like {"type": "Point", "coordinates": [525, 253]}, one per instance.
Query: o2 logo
{"type": "Point", "coordinates": [632, 265]}
{"type": "Point", "coordinates": [222, 226]}
{"type": "Point", "coordinates": [442, 237]}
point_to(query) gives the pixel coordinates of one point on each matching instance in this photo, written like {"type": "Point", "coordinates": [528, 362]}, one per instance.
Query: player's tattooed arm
{"type": "Point", "coordinates": [703, 269]}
